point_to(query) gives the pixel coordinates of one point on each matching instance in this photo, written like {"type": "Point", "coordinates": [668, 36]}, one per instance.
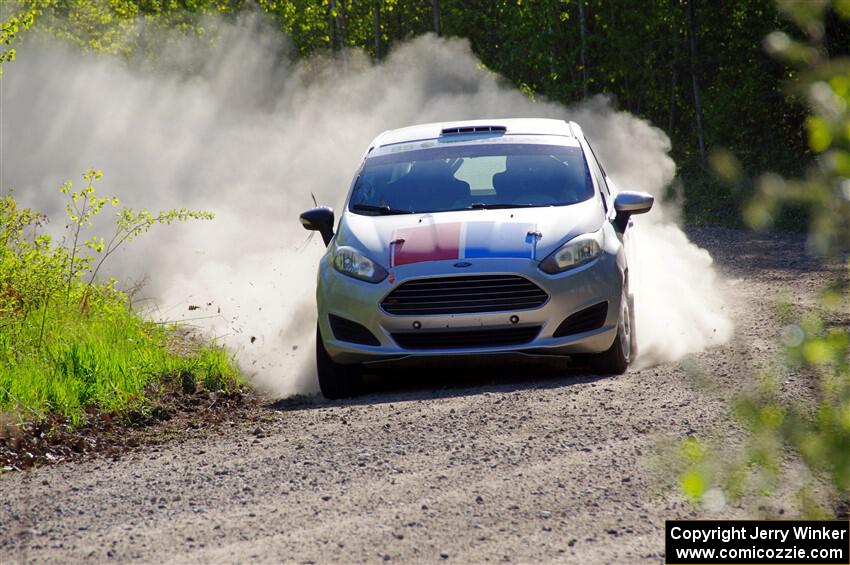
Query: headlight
{"type": "Point", "coordinates": [351, 262]}
{"type": "Point", "coordinates": [577, 251]}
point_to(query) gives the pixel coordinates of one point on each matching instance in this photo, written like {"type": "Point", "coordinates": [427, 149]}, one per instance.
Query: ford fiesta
{"type": "Point", "coordinates": [475, 238]}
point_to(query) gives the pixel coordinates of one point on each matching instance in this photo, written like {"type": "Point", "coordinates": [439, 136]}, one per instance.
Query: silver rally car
{"type": "Point", "coordinates": [475, 238]}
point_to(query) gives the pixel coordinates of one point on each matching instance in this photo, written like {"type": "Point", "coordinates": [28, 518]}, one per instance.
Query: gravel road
{"type": "Point", "coordinates": [535, 464]}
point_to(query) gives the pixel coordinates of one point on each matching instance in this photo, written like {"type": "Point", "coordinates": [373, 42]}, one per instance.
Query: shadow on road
{"type": "Point", "coordinates": [765, 254]}
{"type": "Point", "coordinates": [453, 378]}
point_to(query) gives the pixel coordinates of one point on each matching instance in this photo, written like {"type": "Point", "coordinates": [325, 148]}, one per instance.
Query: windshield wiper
{"type": "Point", "coordinates": [381, 210]}
{"type": "Point", "coordinates": [483, 206]}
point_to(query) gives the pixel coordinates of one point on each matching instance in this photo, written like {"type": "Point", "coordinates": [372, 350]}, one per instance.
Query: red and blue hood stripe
{"type": "Point", "coordinates": [462, 240]}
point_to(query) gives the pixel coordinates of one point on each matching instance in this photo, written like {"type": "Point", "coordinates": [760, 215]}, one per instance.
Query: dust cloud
{"type": "Point", "coordinates": [240, 127]}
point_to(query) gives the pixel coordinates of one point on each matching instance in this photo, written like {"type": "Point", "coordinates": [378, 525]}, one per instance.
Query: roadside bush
{"type": "Point", "coordinates": [811, 431]}
{"type": "Point", "coordinates": [70, 343]}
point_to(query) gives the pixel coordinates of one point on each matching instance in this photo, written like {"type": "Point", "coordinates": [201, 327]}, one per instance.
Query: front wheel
{"type": "Point", "coordinates": [615, 361]}
{"type": "Point", "coordinates": [335, 380]}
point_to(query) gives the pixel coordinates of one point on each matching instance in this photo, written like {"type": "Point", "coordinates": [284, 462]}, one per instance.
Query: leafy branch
{"type": "Point", "coordinates": [131, 223]}
{"type": "Point", "coordinates": [814, 429]}
{"type": "Point", "coordinates": [33, 269]}
{"type": "Point", "coordinates": [9, 32]}
{"type": "Point", "coordinates": [80, 210]}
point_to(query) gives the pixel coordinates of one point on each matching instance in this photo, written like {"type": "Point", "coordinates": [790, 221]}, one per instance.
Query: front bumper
{"type": "Point", "coordinates": [599, 281]}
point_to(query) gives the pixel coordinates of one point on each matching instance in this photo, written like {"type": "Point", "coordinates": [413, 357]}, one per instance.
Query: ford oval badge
{"type": "Point", "coordinates": [462, 264]}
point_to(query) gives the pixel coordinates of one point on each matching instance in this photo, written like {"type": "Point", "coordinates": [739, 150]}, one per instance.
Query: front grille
{"type": "Point", "coordinates": [352, 332]}
{"type": "Point", "coordinates": [589, 319]}
{"type": "Point", "coordinates": [458, 339]}
{"type": "Point", "coordinates": [464, 295]}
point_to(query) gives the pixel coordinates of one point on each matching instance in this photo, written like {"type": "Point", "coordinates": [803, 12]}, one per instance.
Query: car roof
{"type": "Point", "coordinates": [477, 128]}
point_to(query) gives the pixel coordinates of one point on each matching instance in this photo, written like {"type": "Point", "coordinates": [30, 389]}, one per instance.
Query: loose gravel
{"type": "Point", "coordinates": [527, 464]}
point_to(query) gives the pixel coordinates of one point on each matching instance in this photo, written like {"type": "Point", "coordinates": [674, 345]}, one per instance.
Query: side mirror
{"type": "Point", "coordinates": [628, 203]}
{"type": "Point", "coordinates": [320, 219]}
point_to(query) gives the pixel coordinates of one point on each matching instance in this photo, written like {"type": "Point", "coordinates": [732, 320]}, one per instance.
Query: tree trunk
{"type": "Point", "coordinates": [675, 33]}
{"type": "Point", "coordinates": [583, 53]}
{"type": "Point", "coordinates": [343, 28]}
{"type": "Point", "coordinates": [335, 43]}
{"type": "Point", "coordinates": [692, 36]}
{"type": "Point", "coordinates": [377, 30]}
{"type": "Point", "coordinates": [626, 58]}
{"type": "Point", "coordinates": [553, 55]}
{"type": "Point", "coordinates": [435, 5]}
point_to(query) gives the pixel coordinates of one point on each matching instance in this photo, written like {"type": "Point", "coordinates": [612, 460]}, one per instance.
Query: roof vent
{"type": "Point", "coordinates": [473, 129]}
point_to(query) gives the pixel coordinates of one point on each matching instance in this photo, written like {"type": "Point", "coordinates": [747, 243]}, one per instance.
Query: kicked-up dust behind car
{"type": "Point", "coordinates": [240, 127]}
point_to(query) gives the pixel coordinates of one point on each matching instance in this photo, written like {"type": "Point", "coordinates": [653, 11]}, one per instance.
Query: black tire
{"type": "Point", "coordinates": [632, 319]}
{"type": "Point", "coordinates": [615, 361]}
{"type": "Point", "coordinates": [336, 380]}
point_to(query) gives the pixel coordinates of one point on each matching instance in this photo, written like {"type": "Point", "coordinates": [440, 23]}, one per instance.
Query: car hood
{"type": "Point", "coordinates": [469, 234]}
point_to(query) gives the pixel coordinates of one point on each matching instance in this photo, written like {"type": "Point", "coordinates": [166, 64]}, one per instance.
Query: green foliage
{"type": "Point", "coordinates": [636, 51]}
{"type": "Point", "coordinates": [85, 205]}
{"type": "Point", "coordinates": [813, 429]}
{"type": "Point", "coordinates": [10, 29]}
{"type": "Point", "coordinates": [116, 26]}
{"type": "Point", "coordinates": [691, 480]}
{"type": "Point", "coordinates": [69, 343]}
{"type": "Point", "coordinates": [825, 85]}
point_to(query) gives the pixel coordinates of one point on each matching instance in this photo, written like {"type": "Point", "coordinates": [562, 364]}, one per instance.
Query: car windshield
{"type": "Point", "coordinates": [460, 177]}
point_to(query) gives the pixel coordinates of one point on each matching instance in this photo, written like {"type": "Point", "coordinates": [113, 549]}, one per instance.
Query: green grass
{"type": "Point", "coordinates": [71, 346]}
{"type": "Point", "coordinates": [107, 359]}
